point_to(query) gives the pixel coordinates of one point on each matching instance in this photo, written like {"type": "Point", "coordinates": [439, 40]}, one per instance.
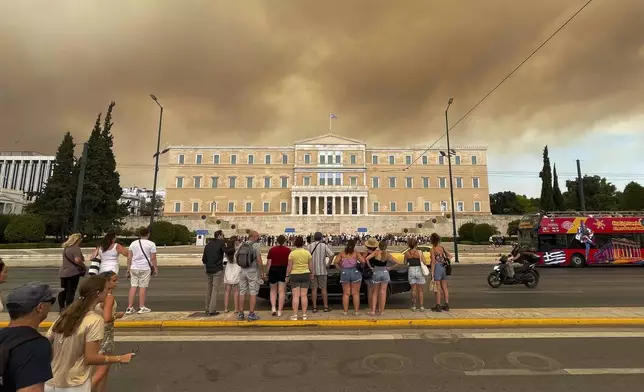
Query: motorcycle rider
{"type": "Point", "coordinates": [512, 262]}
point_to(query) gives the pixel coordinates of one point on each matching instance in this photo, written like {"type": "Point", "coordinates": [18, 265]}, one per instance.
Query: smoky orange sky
{"type": "Point", "coordinates": [268, 72]}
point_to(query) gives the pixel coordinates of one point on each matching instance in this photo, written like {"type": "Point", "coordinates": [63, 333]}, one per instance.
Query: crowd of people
{"type": "Point", "coordinates": [340, 239]}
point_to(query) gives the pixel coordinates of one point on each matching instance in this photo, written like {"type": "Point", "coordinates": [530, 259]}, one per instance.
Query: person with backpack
{"type": "Point", "coordinates": [141, 264]}
{"type": "Point", "coordinates": [231, 273]}
{"type": "Point", "coordinates": [322, 257]}
{"type": "Point", "coordinates": [249, 258]}
{"type": "Point", "coordinates": [25, 357]}
{"type": "Point", "coordinates": [440, 263]}
{"type": "Point", "coordinates": [213, 260]}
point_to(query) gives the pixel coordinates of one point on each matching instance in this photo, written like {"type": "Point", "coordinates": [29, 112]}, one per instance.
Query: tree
{"type": "Point", "coordinates": [557, 197]}
{"type": "Point", "coordinates": [599, 194]}
{"type": "Point", "coordinates": [632, 199]}
{"type": "Point", "coordinates": [146, 208]}
{"type": "Point", "coordinates": [483, 231]}
{"type": "Point", "coordinates": [25, 228]}
{"type": "Point", "coordinates": [466, 231]}
{"type": "Point", "coordinates": [101, 210]}
{"type": "Point", "coordinates": [513, 227]}
{"type": "Point", "coordinates": [56, 202]}
{"type": "Point", "coordinates": [547, 201]}
{"type": "Point", "coordinates": [510, 203]}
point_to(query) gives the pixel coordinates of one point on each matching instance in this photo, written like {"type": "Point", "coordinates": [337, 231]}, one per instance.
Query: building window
{"type": "Point", "coordinates": [181, 159]}
{"type": "Point", "coordinates": [249, 206]}
{"type": "Point", "coordinates": [425, 160]}
{"type": "Point", "coordinates": [267, 182]}
{"type": "Point", "coordinates": [307, 181]}
{"type": "Point", "coordinates": [392, 206]}
{"type": "Point", "coordinates": [321, 179]}
{"type": "Point", "coordinates": [215, 159]}
{"type": "Point", "coordinates": [251, 159]}
{"type": "Point", "coordinates": [441, 160]}
{"type": "Point", "coordinates": [233, 159]}
{"type": "Point", "coordinates": [283, 206]}
{"type": "Point", "coordinates": [460, 206]}
{"type": "Point", "coordinates": [474, 162]}
{"type": "Point", "coordinates": [375, 182]}
{"type": "Point", "coordinates": [179, 182]}
{"type": "Point", "coordinates": [266, 206]}
{"type": "Point", "coordinates": [249, 182]}
{"type": "Point", "coordinates": [442, 182]}
{"type": "Point", "coordinates": [213, 206]}
{"type": "Point", "coordinates": [392, 159]}
{"type": "Point", "coordinates": [214, 182]}
{"type": "Point", "coordinates": [376, 206]}
{"type": "Point", "coordinates": [231, 206]}
{"type": "Point", "coordinates": [307, 159]}
{"type": "Point", "coordinates": [284, 182]}
{"type": "Point", "coordinates": [267, 159]}
{"type": "Point", "coordinates": [338, 158]}
{"type": "Point", "coordinates": [198, 159]}
{"type": "Point", "coordinates": [443, 206]}
{"type": "Point", "coordinates": [177, 206]}
{"type": "Point", "coordinates": [477, 206]}
{"type": "Point", "coordinates": [197, 182]}
{"type": "Point", "coordinates": [425, 182]}
{"type": "Point", "coordinates": [284, 159]}
{"type": "Point", "coordinates": [409, 182]}
{"type": "Point", "coordinates": [353, 159]}
{"type": "Point", "coordinates": [475, 182]}
{"type": "Point", "coordinates": [428, 206]}
{"type": "Point", "coordinates": [408, 160]}
{"type": "Point", "coordinates": [459, 182]}
{"type": "Point", "coordinates": [354, 181]}
{"type": "Point", "coordinates": [338, 179]}
{"type": "Point", "coordinates": [195, 207]}
{"type": "Point", "coordinates": [410, 206]}
{"type": "Point", "coordinates": [232, 182]}
{"type": "Point", "coordinates": [374, 159]}
{"type": "Point", "coordinates": [457, 159]}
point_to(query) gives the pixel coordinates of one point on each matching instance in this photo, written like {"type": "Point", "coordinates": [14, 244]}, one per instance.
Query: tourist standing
{"type": "Point", "coordinates": [76, 338]}
{"type": "Point", "coordinates": [277, 263]}
{"type": "Point", "coordinates": [71, 270]}
{"type": "Point", "coordinates": [231, 273]}
{"type": "Point", "coordinates": [28, 359]}
{"type": "Point", "coordinates": [213, 259]}
{"type": "Point", "coordinates": [322, 257]}
{"type": "Point", "coordinates": [440, 260]}
{"type": "Point", "coordinates": [378, 261]}
{"type": "Point", "coordinates": [350, 276]}
{"type": "Point", "coordinates": [298, 273]}
{"type": "Point", "coordinates": [108, 252]}
{"type": "Point", "coordinates": [413, 258]}
{"type": "Point", "coordinates": [249, 258]}
{"type": "Point", "coordinates": [141, 264]}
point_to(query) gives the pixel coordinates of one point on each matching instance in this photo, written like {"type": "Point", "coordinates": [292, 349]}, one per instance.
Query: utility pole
{"type": "Point", "coordinates": [580, 191]}
{"type": "Point", "coordinates": [451, 181]}
{"type": "Point", "coordinates": [79, 189]}
{"type": "Point", "coordinates": [156, 162]}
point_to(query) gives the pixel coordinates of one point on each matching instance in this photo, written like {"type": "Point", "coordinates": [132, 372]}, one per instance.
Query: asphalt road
{"type": "Point", "coordinates": [464, 365]}
{"type": "Point", "coordinates": [183, 288]}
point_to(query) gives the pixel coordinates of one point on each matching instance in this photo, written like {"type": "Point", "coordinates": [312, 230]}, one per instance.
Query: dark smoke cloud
{"type": "Point", "coordinates": [260, 72]}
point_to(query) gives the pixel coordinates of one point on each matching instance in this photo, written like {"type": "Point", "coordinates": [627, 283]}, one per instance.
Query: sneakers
{"type": "Point", "coordinates": [252, 316]}
{"type": "Point", "coordinates": [446, 307]}
{"type": "Point", "coordinates": [437, 308]}
{"type": "Point", "coordinates": [144, 310]}
{"type": "Point", "coordinates": [130, 311]}
{"type": "Point", "coordinates": [240, 316]}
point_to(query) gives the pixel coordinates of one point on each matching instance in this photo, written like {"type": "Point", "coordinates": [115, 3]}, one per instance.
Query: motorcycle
{"type": "Point", "coordinates": [527, 274]}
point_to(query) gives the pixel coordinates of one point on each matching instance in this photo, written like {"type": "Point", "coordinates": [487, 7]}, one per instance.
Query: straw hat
{"type": "Point", "coordinates": [372, 243]}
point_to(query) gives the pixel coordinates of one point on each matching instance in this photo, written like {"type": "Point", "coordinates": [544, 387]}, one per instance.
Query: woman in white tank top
{"type": "Point", "coordinates": [109, 252]}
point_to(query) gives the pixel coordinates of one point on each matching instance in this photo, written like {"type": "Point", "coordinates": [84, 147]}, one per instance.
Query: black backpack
{"type": "Point", "coordinates": [246, 255]}
{"type": "Point", "coordinates": [9, 343]}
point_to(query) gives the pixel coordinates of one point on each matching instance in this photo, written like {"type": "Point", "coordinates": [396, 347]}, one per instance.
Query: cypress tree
{"type": "Point", "coordinates": [547, 202]}
{"type": "Point", "coordinates": [557, 196]}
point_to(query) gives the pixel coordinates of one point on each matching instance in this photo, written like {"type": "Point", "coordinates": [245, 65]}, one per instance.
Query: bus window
{"type": "Point", "coordinates": [548, 242]}
{"type": "Point", "coordinates": [573, 243]}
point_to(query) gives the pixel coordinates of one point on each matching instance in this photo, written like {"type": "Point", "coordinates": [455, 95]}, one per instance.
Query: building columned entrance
{"type": "Point", "coordinates": [329, 204]}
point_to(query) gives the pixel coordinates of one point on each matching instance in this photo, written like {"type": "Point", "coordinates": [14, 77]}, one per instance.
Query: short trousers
{"type": "Point", "coordinates": [86, 387]}
{"type": "Point", "coordinates": [415, 276]}
{"type": "Point", "coordinates": [249, 281]}
{"type": "Point", "coordinates": [439, 272]}
{"type": "Point", "coordinates": [380, 275]}
{"type": "Point", "coordinates": [350, 275]}
{"type": "Point", "coordinates": [277, 275]}
{"type": "Point", "coordinates": [300, 281]}
{"type": "Point", "coordinates": [318, 281]}
{"type": "Point", "coordinates": [140, 278]}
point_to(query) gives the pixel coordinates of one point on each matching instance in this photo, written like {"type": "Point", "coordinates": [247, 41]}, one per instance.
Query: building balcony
{"type": "Point", "coordinates": [329, 188]}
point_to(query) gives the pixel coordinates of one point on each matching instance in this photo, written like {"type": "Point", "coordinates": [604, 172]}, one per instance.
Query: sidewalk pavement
{"type": "Point", "coordinates": [457, 318]}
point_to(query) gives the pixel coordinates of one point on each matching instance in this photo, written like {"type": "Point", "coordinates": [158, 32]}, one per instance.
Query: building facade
{"type": "Point", "coordinates": [327, 175]}
{"type": "Point", "coordinates": [137, 198]}
{"type": "Point", "coordinates": [25, 171]}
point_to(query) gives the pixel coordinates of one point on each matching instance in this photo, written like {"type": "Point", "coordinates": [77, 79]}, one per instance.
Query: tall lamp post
{"type": "Point", "coordinates": [156, 162]}
{"type": "Point", "coordinates": [449, 154]}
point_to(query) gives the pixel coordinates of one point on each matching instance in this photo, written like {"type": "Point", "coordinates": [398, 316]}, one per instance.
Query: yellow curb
{"type": "Point", "coordinates": [367, 323]}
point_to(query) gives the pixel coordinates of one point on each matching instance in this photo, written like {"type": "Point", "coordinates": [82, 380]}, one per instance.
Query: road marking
{"type": "Point", "coordinates": [258, 338]}
{"type": "Point", "coordinates": [551, 335]}
{"type": "Point", "coordinates": [534, 292]}
{"type": "Point", "coordinates": [562, 372]}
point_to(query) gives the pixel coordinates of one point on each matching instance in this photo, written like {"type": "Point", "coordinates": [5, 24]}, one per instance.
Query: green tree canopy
{"type": "Point", "coordinates": [632, 199]}
{"type": "Point", "coordinates": [510, 203]}
{"type": "Point", "coordinates": [599, 194]}
{"type": "Point", "coordinates": [547, 198]}
{"type": "Point", "coordinates": [557, 196]}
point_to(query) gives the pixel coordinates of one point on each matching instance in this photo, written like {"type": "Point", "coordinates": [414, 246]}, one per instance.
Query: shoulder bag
{"type": "Point", "coordinates": [146, 258]}
{"type": "Point", "coordinates": [95, 263]}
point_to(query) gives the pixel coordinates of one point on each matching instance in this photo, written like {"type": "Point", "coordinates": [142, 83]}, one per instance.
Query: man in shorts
{"type": "Point", "coordinates": [141, 264]}
{"type": "Point", "coordinates": [320, 252]}
{"type": "Point", "coordinates": [249, 276]}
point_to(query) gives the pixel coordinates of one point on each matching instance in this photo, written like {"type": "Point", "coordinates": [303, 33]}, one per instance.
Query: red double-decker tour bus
{"type": "Point", "coordinates": [580, 239]}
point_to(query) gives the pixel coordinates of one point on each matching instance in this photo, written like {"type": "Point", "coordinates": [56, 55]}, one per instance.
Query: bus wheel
{"type": "Point", "coordinates": [577, 261]}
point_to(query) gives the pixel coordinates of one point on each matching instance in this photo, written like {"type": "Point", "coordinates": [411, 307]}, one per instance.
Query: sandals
{"type": "Point", "coordinates": [315, 310]}
{"type": "Point", "coordinates": [327, 310]}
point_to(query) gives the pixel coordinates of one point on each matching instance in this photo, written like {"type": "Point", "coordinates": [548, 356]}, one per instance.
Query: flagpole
{"type": "Point", "coordinates": [330, 121]}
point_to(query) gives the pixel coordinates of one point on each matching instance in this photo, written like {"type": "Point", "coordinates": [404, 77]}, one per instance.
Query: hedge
{"type": "Point", "coordinates": [25, 228]}
{"type": "Point", "coordinates": [182, 235]}
{"type": "Point", "coordinates": [4, 221]}
{"type": "Point", "coordinates": [162, 233]}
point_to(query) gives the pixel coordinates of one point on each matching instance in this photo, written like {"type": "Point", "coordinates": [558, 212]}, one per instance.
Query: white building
{"type": "Point", "coordinates": [11, 201]}
{"type": "Point", "coordinates": [24, 171]}
{"type": "Point", "coordinates": [137, 197]}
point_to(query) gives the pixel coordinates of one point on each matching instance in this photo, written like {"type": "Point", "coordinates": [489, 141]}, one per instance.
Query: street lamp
{"type": "Point", "coordinates": [449, 154]}
{"type": "Point", "coordinates": [156, 162]}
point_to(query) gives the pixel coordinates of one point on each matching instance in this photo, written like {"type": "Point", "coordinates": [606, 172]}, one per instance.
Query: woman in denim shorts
{"type": "Point", "coordinates": [377, 261]}
{"type": "Point", "coordinates": [440, 258]}
{"type": "Point", "coordinates": [413, 258]}
{"type": "Point", "coordinates": [350, 276]}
